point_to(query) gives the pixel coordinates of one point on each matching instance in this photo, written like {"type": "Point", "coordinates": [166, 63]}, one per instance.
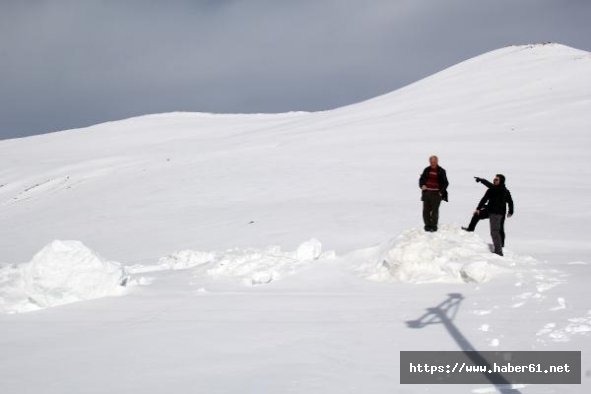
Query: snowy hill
{"type": "Point", "coordinates": [198, 179]}
{"type": "Point", "coordinates": [195, 205]}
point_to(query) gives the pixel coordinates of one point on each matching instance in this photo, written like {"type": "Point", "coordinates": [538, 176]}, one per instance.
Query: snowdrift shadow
{"type": "Point", "coordinates": [444, 313]}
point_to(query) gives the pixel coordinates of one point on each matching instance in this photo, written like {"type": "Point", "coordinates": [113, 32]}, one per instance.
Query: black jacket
{"type": "Point", "coordinates": [441, 178]}
{"type": "Point", "coordinates": [496, 199]}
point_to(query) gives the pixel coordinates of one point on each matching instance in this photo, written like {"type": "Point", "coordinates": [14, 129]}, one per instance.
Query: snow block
{"type": "Point", "coordinates": [309, 250]}
{"type": "Point", "coordinates": [67, 271]}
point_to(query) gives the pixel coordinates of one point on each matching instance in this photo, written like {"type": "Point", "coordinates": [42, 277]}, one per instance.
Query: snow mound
{"type": "Point", "coordinates": [450, 255]}
{"type": "Point", "coordinates": [251, 265]}
{"type": "Point", "coordinates": [61, 273]}
{"type": "Point", "coordinates": [309, 250]}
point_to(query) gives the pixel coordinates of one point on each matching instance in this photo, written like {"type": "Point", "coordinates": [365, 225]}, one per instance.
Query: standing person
{"type": "Point", "coordinates": [496, 199]}
{"type": "Point", "coordinates": [433, 183]}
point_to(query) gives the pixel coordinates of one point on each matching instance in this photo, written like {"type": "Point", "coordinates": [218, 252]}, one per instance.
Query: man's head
{"type": "Point", "coordinates": [499, 179]}
{"type": "Point", "coordinates": [433, 160]}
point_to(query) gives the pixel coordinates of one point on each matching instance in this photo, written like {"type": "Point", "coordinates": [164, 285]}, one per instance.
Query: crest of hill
{"type": "Point", "coordinates": [514, 80]}
{"type": "Point", "coordinates": [541, 74]}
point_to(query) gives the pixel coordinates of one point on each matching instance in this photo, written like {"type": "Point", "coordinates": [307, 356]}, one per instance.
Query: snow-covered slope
{"type": "Point", "coordinates": [207, 213]}
{"type": "Point", "coordinates": [197, 180]}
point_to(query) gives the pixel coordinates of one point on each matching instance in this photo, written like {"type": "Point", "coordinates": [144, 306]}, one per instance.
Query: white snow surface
{"type": "Point", "coordinates": [190, 205]}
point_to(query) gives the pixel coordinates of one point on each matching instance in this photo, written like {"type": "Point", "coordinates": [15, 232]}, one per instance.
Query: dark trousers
{"type": "Point", "coordinates": [431, 202]}
{"type": "Point", "coordinates": [485, 215]}
{"type": "Point", "coordinates": [496, 224]}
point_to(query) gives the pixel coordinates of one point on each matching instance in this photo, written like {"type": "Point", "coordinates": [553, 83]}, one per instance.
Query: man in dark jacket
{"type": "Point", "coordinates": [494, 203]}
{"type": "Point", "coordinates": [433, 183]}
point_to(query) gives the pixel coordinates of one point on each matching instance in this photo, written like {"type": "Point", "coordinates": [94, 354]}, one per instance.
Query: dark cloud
{"type": "Point", "coordinates": [66, 64]}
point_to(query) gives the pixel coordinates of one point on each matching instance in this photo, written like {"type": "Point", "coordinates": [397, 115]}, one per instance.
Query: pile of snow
{"type": "Point", "coordinates": [251, 265]}
{"type": "Point", "coordinates": [449, 255]}
{"type": "Point", "coordinates": [259, 266]}
{"type": "Point", "coordinates": [61, 273]}
{"type": "Point", "coordinates": [309, 250]}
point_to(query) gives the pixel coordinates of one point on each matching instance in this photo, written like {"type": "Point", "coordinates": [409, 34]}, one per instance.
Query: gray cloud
{"type": "Point", "coordinates": [66, 64]}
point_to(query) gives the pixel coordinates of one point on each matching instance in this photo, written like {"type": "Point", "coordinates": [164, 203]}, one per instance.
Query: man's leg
{"type": "Point", "coordinates": [495, 232]}
{"type": "Point", "coordinates": [503, 231]}
{"type": "Point", "coordinates": [427, 211]}
{"type": "Point", "coordinates": [435, 213]}
{"type": "Point", "coordinates": [482, 214]}
{"type": "Point", "coordinates": [473, 223]}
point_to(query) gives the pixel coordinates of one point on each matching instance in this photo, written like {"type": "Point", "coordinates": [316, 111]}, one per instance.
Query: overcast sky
{"type": "Point", "coordinates": [67, 64]}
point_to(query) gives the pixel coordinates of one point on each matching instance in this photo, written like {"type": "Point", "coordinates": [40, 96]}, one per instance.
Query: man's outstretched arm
{"type": "Point", "coordinates": [484, 182]}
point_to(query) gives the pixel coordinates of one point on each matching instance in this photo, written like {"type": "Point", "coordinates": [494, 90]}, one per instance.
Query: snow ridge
{"type": "Point", "coordinates": [252, 266]}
